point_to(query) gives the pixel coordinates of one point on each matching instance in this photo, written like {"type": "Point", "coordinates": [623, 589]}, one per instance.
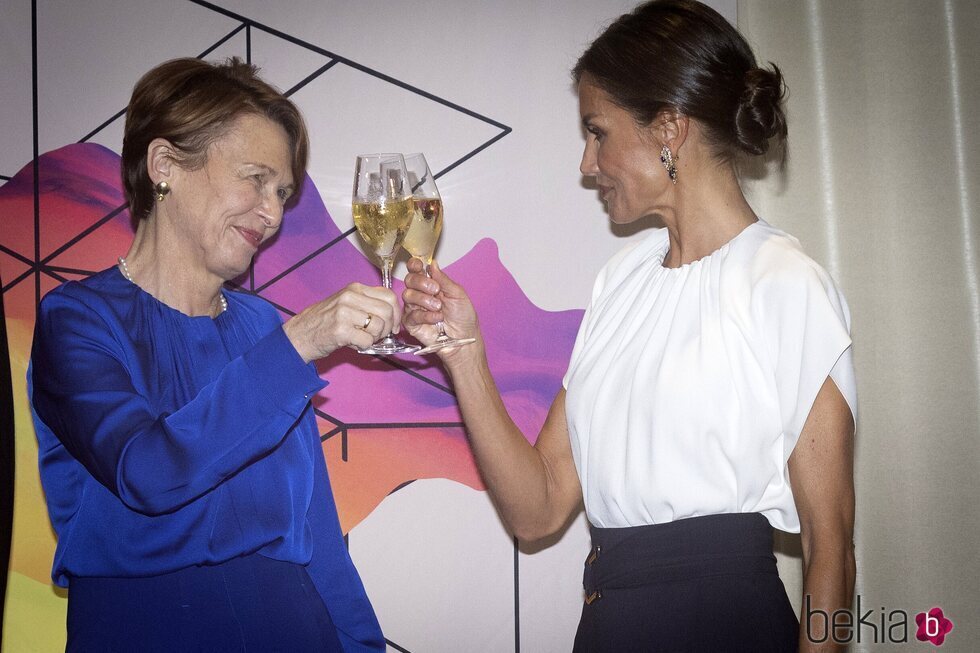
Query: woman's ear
{"type": "Point", "coordinates": [670, 128]}
{"type": "Point", "coordinates": [160, 161]}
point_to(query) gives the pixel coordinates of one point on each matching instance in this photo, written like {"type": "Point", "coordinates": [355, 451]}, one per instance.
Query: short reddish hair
{"type": "Point", "coordinates": [192, 103]}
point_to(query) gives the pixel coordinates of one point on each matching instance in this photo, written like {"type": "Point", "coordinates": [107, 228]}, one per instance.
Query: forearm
{"type": "Point", "coordinates": [828, 586]}
{"type": "Point", "coordinates": [517, 476]}
{"type": "Point", "coordinates": [156, 461]}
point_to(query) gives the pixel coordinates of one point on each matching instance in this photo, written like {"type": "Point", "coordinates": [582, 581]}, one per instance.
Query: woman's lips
{"type": "Point", "coordinates": [253, 238]}
{"type": "Point", "coordinates": [603, 191]}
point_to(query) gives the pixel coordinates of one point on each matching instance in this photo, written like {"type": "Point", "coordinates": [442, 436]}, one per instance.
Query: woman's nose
{"type": "Point", "coordinates": [588, 166]}
{"type": "Point", "coordinates": [271, 210]}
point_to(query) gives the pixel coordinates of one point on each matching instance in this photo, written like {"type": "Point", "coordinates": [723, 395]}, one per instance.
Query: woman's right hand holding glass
{"type": "Point", "coordinates": [356, 316]}
{"type": "Point", "coordinates": [430, 300]}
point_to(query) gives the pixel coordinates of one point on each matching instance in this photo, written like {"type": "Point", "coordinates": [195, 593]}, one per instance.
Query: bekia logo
{"type": "Point", "coordinates": [879, 627]}
{"type": "Point", "coordinates": [933, 626]}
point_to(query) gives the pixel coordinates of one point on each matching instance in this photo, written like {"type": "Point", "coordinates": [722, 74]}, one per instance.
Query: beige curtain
{"type": "Point", "coordinates": [882, 185]}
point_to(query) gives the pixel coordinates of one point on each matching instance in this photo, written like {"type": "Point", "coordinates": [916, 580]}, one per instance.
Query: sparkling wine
{"type": "Point", "coordinates": [382, 225]}
{"type": "Point", "coordinates": [420, 241]}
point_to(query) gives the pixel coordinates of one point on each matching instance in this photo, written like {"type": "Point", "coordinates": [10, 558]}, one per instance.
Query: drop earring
{"type": "Point", "coordinates": [667, 158]}
{"type": "Point", "coordinates": [161, 189]}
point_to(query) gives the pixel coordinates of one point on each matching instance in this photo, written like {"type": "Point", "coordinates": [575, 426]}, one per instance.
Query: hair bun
{"type": "Point", "coordinates": [759, 115]}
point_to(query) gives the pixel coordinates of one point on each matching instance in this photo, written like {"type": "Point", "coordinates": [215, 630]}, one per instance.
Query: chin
{"type": "Point", "coordinates": [233, 269]}
{"type": "Point", "coordinates": [618, 218]}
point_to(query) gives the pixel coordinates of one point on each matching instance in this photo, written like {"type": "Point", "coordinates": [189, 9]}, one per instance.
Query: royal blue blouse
{"type": "Point", "coordinates": [167, 441]}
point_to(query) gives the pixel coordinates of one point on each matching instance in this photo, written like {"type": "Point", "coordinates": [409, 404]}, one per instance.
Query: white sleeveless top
{"type": "Point", "coordinates": [687, 388]}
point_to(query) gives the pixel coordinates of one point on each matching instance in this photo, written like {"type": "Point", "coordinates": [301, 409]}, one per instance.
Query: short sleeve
{"type": "Point", "coordinates": [607, 276]}
{"type": "Point", "coordinates": [576, 348]}
{"type": "Point", "coordinates": [805, 322]}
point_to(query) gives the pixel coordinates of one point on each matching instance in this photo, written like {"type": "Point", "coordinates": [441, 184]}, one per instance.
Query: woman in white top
{"type": "Point", "coordinates": [710, 394]}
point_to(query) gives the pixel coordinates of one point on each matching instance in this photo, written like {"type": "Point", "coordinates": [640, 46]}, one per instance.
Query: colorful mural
{"type": "Point", "coordinates": [384, 422]}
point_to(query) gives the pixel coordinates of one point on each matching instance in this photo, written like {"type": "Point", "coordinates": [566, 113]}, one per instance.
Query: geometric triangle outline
{"type": "Point", "coordinates": [12, 268]}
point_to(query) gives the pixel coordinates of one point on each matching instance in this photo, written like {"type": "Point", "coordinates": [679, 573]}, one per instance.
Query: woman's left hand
{"type": "Point", "coordinates": [430, 300]}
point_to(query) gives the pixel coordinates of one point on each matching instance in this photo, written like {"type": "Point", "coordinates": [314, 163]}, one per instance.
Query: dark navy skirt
{"type": "Point", "coordinates": [701, 584]}
{"type": "Point", "coordinates": [250, 603]}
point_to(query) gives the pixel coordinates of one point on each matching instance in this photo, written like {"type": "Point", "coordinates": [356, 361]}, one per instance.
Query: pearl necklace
{"type": "Point", "coordinates": [125, 273]}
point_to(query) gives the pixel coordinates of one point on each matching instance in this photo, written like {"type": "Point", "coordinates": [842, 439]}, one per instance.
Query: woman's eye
{"type": "Point", "coordinates": [283, 195]}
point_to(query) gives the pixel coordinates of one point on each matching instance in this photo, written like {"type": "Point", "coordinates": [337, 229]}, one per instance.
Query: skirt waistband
{"type": "Point", "coordinates": [681, 550]}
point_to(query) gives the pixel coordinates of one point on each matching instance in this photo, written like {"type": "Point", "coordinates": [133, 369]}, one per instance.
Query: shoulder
{"type": "Point", "coordinates": [95, 295]}
{"type": "Point", "coordinates": [86, 314]}
{"type": "Point", "coordinates": [784, 277]}
{"type": "Point", "coordinates": [778, 262]}
{"type": "Point", "coordinates": [629, 258]}
{"type": "Point", "coordinates": [252, 307]}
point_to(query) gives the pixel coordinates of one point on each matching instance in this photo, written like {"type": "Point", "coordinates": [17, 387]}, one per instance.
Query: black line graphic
{"type": "Point", "coordinates": [403, 425]}
{"type": "Point", "coordinates": [36, 163]}
{"type": "Point", "coordinates": [394, 362]}
{"type": "Point", "coordinates": [222, 41]}
{"type": "Point", "coordinates": [101, 221]}
{"type": "Point", "coordinates": [396, 646]}
{"type": "Point", "coordinates": [306, 259]}
{"type": "Point", "coordinates": [351, 63]}
{"type": "Point", "coordinates": [29, 272]}
{"type": "Point", "coordinates": [319, 71]}
{"type": "Point", "coordinates": [517, 597]}
{"type": "Point", "coordinates": [105, 124]}
{"type": "Point", "coordinates": [403, 485]}
{"type": "Point", "coordinates": [17, 255]}
{"type": "Point", "coordinates": [58, 268]}
{"type": "Point", "coordinates": [119, 114]}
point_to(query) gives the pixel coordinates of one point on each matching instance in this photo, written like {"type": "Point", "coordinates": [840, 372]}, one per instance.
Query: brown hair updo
{"type": "Point", "coordinates": [191, 103]}
{"type": "Point", "coordinates": [683, 55]}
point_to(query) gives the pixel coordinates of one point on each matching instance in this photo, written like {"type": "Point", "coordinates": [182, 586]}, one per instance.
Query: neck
{"type": "Point", "coordinates": [709, 209]}
{"type": "Point", "coordinates": [158, 263]}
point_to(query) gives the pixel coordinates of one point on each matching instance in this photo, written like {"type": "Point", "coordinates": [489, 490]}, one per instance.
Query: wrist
{"type": "Point", "coordinates": [292, 332]}
{"type": "Point", "coordinates": [466, 360]}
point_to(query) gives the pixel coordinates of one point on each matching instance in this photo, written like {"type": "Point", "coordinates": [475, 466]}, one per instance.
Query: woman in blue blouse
{"type": "Point", "coordinates": [178, 449]}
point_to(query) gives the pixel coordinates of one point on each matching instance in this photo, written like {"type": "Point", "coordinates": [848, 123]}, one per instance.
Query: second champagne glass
{"type": "Point", "coordinates": [424, 232]}
{"type": "Point", "coordinates": [383, 209]}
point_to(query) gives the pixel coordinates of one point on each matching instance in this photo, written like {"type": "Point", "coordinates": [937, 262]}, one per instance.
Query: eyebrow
{"type": "Point", "coordinates": [261, 165]}
{"type": "Point", "coordinates": [272, 171]}
{"type": "Point", "coordinates": [587, 118]}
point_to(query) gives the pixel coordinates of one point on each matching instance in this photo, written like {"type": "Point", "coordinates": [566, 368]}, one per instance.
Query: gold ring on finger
{"type": "Point", "coordinates": [367, 321]}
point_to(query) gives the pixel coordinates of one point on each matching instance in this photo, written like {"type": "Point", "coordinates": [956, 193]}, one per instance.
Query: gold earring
{"type": "Point", "coordinates": [667, 158]}
{"type": "Point", "coordinates": [162, 188]}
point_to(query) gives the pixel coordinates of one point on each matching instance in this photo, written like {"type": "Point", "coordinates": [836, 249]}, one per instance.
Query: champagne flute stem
{"type": "Point", "coordinates": [387, 262]}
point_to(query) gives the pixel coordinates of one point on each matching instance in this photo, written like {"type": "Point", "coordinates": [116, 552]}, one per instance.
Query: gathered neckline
{"type": "Point", "coordinates": [665, 249]}
{"type": "Point", "coordinates": [141, 292]}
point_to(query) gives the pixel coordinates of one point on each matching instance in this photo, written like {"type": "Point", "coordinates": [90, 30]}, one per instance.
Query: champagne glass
{"type": "Point", "coordinates": [420, 241]}
{"type": "Point", "coordinates": [383, 209]}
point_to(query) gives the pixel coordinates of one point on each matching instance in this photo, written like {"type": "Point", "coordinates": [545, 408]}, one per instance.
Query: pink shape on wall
{"type": "Point", "coordinates": [385, 423]}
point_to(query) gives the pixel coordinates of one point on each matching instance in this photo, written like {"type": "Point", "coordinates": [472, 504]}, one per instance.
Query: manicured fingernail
{"type": "Point", "coordinates": [434, 304]}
